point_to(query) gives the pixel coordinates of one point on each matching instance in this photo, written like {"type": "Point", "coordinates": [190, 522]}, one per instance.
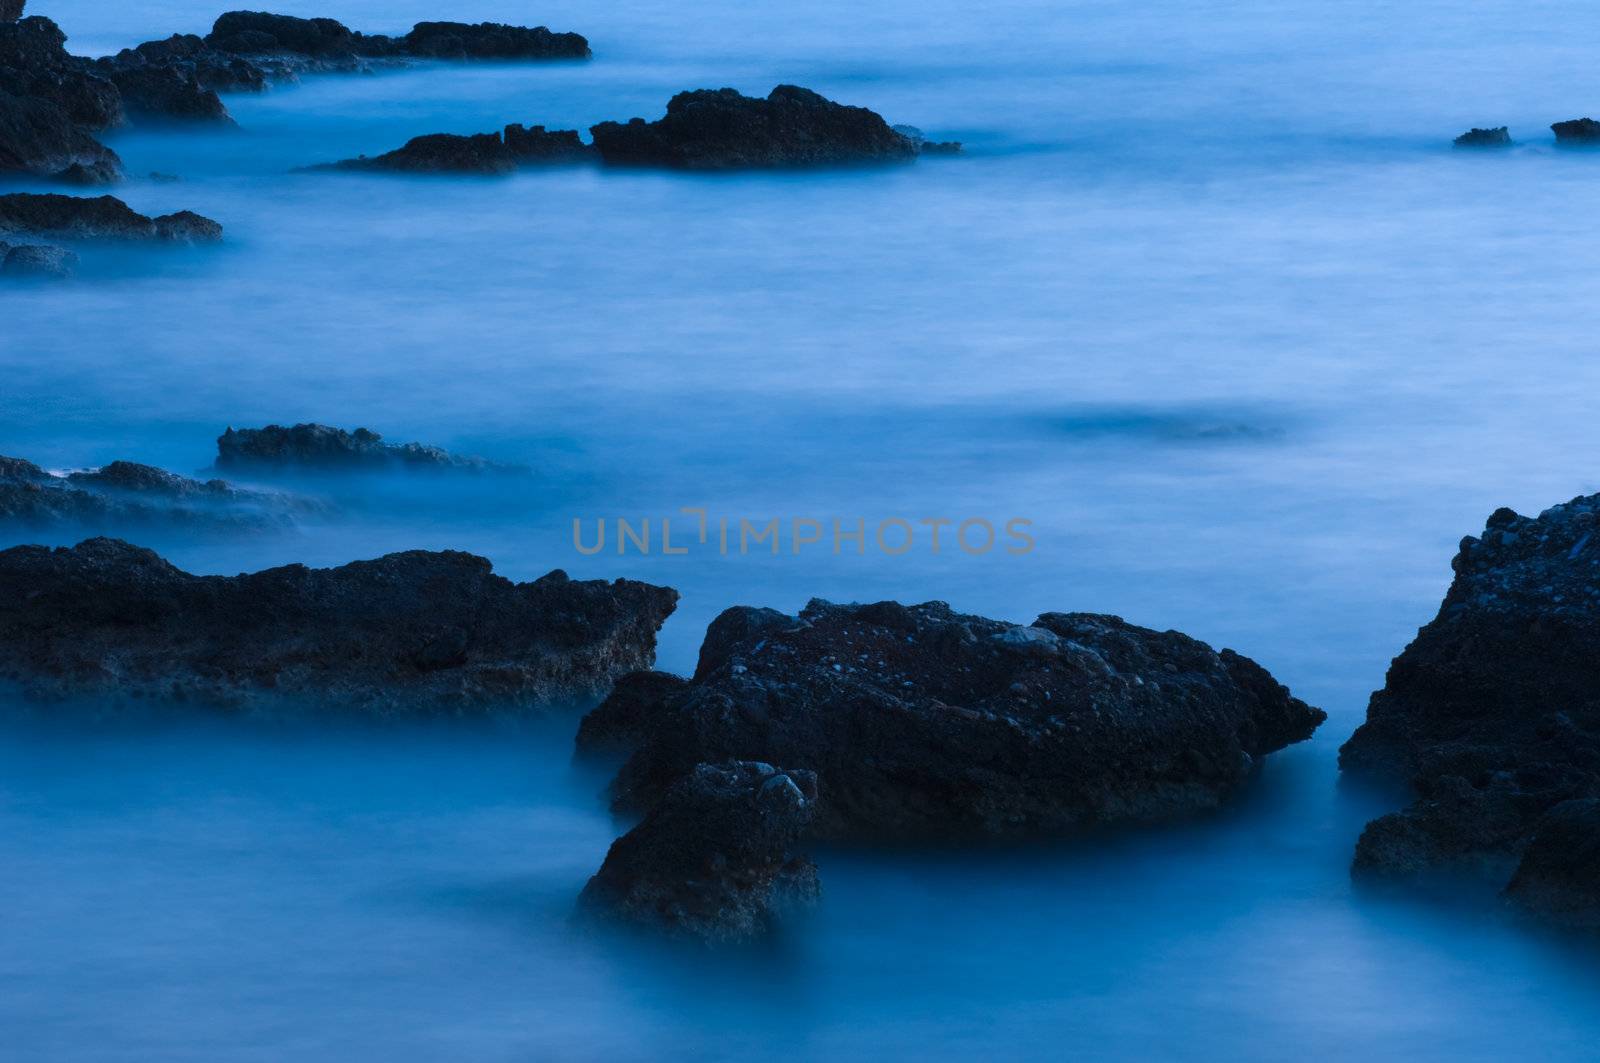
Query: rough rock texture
{"type": "Point", "coordinates": [1579, 132]}
{"type": "Point", "coordinates": [11, 10]}
{"type": "Point", "coordinates": [1499, 137]}
{"type": "Point", "coordinates": [924, 145]}
{"type": "Point", "coordinates": [1559, 877]}
{"type": "Point", "coordinates": [101, 217]}
{"type": "Point", "coordinates": [321, 448]}
{"type": "Point", "coordinates": [712, 861]}
{"type": "Point", "coordinates": [1492, 714]}
{"type": "Point", "coordinates": [40, 139]}
{"type": "Point", "coordinates": [719, 129]}
{"type": "Point", "coordinates": [258, 33]}
{"type": "Point", "coordinates": [922, 722]}
{"type": "Point", "coordinates": [410, 633]}
{"type": "Point", "coordinates": [483, 153]}
{"type": "Point", "coordinates": [124, 494]}
{"type": "Point", "coordinates": [490, 40]}
{"type": "Point", "coordinates": [37, 260]}
{"type": "Point", "coordinates": [51, 105]}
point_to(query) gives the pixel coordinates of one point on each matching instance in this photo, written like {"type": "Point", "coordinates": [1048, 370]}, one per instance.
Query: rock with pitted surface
{"type": "Point", "coordinates": [1491, 714]}
{"type": "Point", "coordinates": [926, 723]}
{"type": "Point", "coordinates": [492, 154]}
{"type": "Point", "coordinates": [125, 494]}
{"type": "Point", "coordinates": [11, 10]}
{"type": "Point", "coordinates": [713, 862]}
{"type": "Point", "coordinates": [1577, 133]}
{"type": "Point", "coordinates": [319, 448]}
{"type": "Point", "coordinates": [1498, 137]}
{"type": "Point", "coordinates": [1559, 875]}
{"type": "Point", "coordinates": [490, 40]}
{"type": "Point", "coordinates": [719, 129]}
{"type": "Point", "coordinates": [99, 217]}
{"type": "Point", "coordinates": [50, 107]}
{"type": "Point", "coordinates": [37, 260]}
{"type": "Point", "coordinates": [408, 634]}
{"type": "Point", "coordinates": [332, 45]}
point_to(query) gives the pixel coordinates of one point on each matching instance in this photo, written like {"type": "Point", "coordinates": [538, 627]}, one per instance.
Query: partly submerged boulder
{"type": "Point", "coordinates": [720, 129]}
{"type": "Point", "coordinates": [259, 33]}
{"type": "Point", "coordinates": [1491, 714]}
{"type": "Point", "coordinates": [483, 153]}
{"type": "Point", "coordinates": [100, 217]}
{"type": "Point", "coordinates": [713, 860]}
{"type": "Point", "coordinates": [922, 722]}
{"type": "Point", "coordinates": [924, 145]}
{"type": "Point", "coordinates": [406, 634]}
{"type": "Point", "coordinates": [1579, 133]}
{"type": "Point", "coordinates": [319, 448]}
{"type": "Point", "coordinates": [1498, 137]}
{"type": "Point", "coordinates": [125, 494]}
{"type": "Point", "coordinates": [490, 40]}
{"type": "Point", "coordinates": [37, 260]}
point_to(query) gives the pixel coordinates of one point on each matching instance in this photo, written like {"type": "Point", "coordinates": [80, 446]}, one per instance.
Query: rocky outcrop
{"type": "Point", "coordinates": [1499, 137]}
{"type": "Point", "coordinates": [37, 260]}
{"type": "Point", "coordinates": [1559, 875]}
{"type": "Point", "coordinates": [1491, 714]}
{"type": "Point", "coordinates": [39, 139]}
{"type": "Point", "coordinates": [406, 634]}
{"type": "Point", "coordinates": [1577, 133]}
{"type": "Point", "coordinates": [319, 448]}
{"type": "Point", "coordinates": [484, 153]}
{"type": "Point", "coordinates": [723, 130]}
{"type": "Point", "coordinates": [926, 723]}
{"type": "Point", "coordinates": [925, 146]}
{"type": "Point", "coordinates": [713, 860]}
{"type": "Point", "coordinates": [51, 106]}
{"type": "Point", "coordinates": [258, 33]}
{"type": "Point", "coordinates": [126, 494]}
{"type": "Point", "coordinates": [100, 217]}
{"type": "Point", "coordinates": [11, 10]}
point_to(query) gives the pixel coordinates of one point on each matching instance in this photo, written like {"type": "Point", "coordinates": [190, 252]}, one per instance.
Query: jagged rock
{"type": "Point", "coordinates": [922, 722]}
{"type": "Point", "coordinates": [126, 494]}
{"type": "Point", "coordinates": [100, 217]}
{"type": "Point", "coordinates": [1579, 132]}
{"type": "Point", "coordinates": [621, 723]}
{"type": "Point", "coordinates": [1559, 876]}
{"type": "Point", "coordinates": [11, 10]}
{"type": "Point", "coordinates": [1490, 714]}
{"type": "Point", "coordinates": [35, 63]}
{"type": "Point", "coordinates": [319, 447]}
{"type": "Point", "coordinates": [251, 32]}
{"type": "Point", "coordinates": [37, 260]}
{"type": "Point", "coordinates": [406, 634]}
{"type": "Point", "coordinates": [168, 90]}
{"type": "Point", "coordinates": [39, 138]}
{"type": "Point", "coordinates": [256, 33]}
{"type": "Point", "coordinates": [482, 153]}
{"type": "Point", "coordinates": [712, 861]}
{"type": "Point", "coordinates": [924, 145]}
{"type": "Point", "coordinates": [1499, 137]}
{"type": "Point", "coordinates": [723, 130]}
{"type": "Point", "coordinates": [490, 40]}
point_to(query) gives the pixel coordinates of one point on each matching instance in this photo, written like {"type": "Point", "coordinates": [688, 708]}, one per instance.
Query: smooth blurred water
{"type": "Point", "coordinates": [1210, 300]}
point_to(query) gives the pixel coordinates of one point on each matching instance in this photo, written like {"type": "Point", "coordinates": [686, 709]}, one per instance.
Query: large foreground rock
{"type": "Point", "coordinates": [1492, 714]}
{"type": "Point", "coordinates": [713, 861]}
{"type": "Point", "coordinates": [100, 217]}
{"type": "Point", "coordinates": [921, 722]}
{"type": "Point", "coordinates": [319, 448]}
{"type": "Point", "coordinates": [491, 154]}
{"type": "Point", "coordinates": [719, 129]}
{"type": "Point", "coordinates": [126, 494]}
{"type": "Point", "coordinates": [410, 633]}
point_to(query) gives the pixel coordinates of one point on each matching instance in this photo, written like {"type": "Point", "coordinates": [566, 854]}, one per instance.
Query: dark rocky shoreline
{"type": "Point", "coordinates": [319, 448]}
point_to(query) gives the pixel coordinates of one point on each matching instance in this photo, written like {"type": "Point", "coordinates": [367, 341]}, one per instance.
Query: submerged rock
{"type": "Point", "coordinates": [258, 33]}
{"type": "Point", "coordinates": [321, 448]}
{"type": "Point", "coordinates": [101, 217]}
{"type": "Point", "coordinates": [37, 260]}
{"type": "Point", "coordinates": [50, 107]}
{"type": "Point", "coordinates": [126, 494]}
{"type": "Point", "coordinates": [1499, 137]}
{"type": "Point", "coordinates": [406, 634]}
{"type": "Point", "coordinates": [1579, 132]}
{"type": "Point", "coordinates": [483, 153]}
{"type": "Point", "coordinates": [925, 723]}
{"type": "Point", "coordinates": [1490, 713]}
{"type": "Point", "coordinates": [712, 861]}
{"type": "Point", "coordinates": [719, 129]}
{"type": "Point", "coordinates": [924, 145]}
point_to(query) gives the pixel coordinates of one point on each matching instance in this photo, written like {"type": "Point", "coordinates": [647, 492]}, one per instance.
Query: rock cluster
{"type": "Point", "coordinates": [320, 448]}
{"type": "Point", "coordinates": [406, 634]}
{"type": "Point", "coordinates": [99, 217]}
{"type": "Point", "coordinates": [126, 494]}
{"type": "Point", "coordinates": [1491, 716]}
{"type": "Point", "coordinates": [713, 861]}
{"type": "Point", "coordinates": [925, 723]}
{"type": "Point", "coordinates": [483, 153]}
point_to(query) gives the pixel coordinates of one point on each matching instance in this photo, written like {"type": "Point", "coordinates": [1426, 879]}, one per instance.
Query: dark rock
{"type": "Point", "coordinates": [1491, 713]}
{"type": "Point", "coordinates": [621, 723]}
{"type": "Point", "coordinates": [35, 63]}
{"type": "Point", "coordinates": [252, 32]}
{"type": "Point", "coordinates": [256, 33]}
{"type": "Point", "coordinates": [490, 40]}
{"type": "Point", "coordinates": [722, 130]}
{"type": "Point", "coordinates": [101, 217]}
{"type": "Point", "coordinates": [926, 146]}
{"type": "Point", "coordinates": [923, 723]}
{"type": "Point", "coordinates": [1499, 137]}
{"type": "Point", "coordinates": [36, 260]}
{"type": "Point", "coordinates": [1559, 877]}
{"type": "Point", "coordinates": [1579, 132]}
{"type": "Point", "coordinates": [168, 90]}
{"type": "Point", "coordinates": [38, 138]}
{"type": "Point", "coordinates": [125, 494]}
{"type": "Point", "coordinates": [482, 153]}
{"type": "Point", "coordinates": [410, 633]}
{"type": "Point", "coordinates": [712, 862]}
{"type": "Point", "coordinates": [11, 10]}
{"type": "Point", "coordinates": [319, 447]}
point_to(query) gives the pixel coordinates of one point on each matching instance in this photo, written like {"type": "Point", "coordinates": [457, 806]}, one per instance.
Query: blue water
{"type": "Point", "coordinates": [1209, 300]}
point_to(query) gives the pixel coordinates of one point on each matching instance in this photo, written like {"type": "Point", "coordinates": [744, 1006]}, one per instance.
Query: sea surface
{"type": "Point", "coordinates": [1209, 301]}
